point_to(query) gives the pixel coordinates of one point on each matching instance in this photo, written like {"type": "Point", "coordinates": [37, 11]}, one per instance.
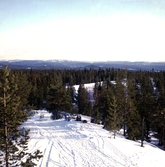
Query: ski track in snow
{"type": "Point", "coordinates": [73, 144]}
{"type": "Point", "coordinates": [107, 143]}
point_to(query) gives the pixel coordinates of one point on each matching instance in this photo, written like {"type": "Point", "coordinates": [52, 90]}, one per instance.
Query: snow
{"type": "Point", "coordinates": [77, 144]}
{"type": "Point", "coordinates": [88, 87]}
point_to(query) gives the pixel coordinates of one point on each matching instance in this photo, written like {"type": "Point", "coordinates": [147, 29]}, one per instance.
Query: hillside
{"type": "Point", "coordinates": [66, 64]}
{"type": "Point", "coordinates": [76, 144]}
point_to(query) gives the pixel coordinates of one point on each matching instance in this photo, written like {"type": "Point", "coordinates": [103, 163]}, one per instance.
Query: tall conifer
{"type": "Point", "coordinates": [58, 99]}
{"type": "Point", "coordinates": [13, 142]}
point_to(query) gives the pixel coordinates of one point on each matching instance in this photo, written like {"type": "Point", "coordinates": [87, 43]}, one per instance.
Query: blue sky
{"type": "Point", "coordinates": [90, 30]}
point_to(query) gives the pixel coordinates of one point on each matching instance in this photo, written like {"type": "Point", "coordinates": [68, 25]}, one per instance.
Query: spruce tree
{"type": "Point", "coordinates": [101, 101]}
{"type": "Point", "coordinates": [58, 99]}
{"type": "Point", "coordinates": [13, 142]}
{"type": "Point", "coordinates": [113, 118]}
{"type": "Point", "coordinates": [131, 116]}
{"type": "Point", "coordinates": [95, 110]}
{"type": "Point", "coordinates": [83, 100]}
{"type": "Point", "coordinates": [158, 116]}
{"type": "Point", "coordinates": [133, 121]}
{"type": "Point", "coordinates": [144, 102]}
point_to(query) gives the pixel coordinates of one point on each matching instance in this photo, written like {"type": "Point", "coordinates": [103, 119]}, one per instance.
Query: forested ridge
{"type": "Point", "coordinates": [134, 100]}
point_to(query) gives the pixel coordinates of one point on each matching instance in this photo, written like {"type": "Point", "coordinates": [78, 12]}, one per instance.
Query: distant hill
{"type": "Point", "coordinates": [66, 64]}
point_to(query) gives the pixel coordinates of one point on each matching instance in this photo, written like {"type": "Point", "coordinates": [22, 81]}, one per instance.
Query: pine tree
{"type": "Point", "coordinates": [144, 102]}
{"type": "Point", "coordinates": [23, 89]}
{"type": "Point", "coordinates": [113, 118]}
{"type": "Point", "coordinates": [131, 117]}
{"type": "Point", "coordinates": [11, 117]}
{"type": "Point", "coordinates": [95, 110]}
{"type": "Point", "coordinates": [133, 121]}
{"type": "Point", "coordinates": [158, 116]}
{"type": "Point", "coordinates": [101, 100]}
{"type": "Point", "coordinates": [83, 100]}
{"type": "Point", "coordinates": [58, 99]}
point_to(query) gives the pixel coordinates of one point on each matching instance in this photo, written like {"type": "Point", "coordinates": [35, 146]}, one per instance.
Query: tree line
{"type": "Point", "coordinates": [134, 100]}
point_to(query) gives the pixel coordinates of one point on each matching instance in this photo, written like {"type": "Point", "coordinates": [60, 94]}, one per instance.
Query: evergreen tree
{"type": "Point", "coordinates": [133, 122]}
{"type": "Point", "coordinates": [101, 101]}
{"type": "Point", "coordinates": [58, 99]}
{"type": "Point", "coordinates": [131, 117]}
{"type": "Point", "coordinates": [158, 126]}
{"type": "Point", "coordinates": [158, 116]}
{"type": "Point", "coordinates": [95, 110]}
{"type": "Point", "coordinates": [83, 100]}
{"type": "Point", "coordinates": [13, 143]}
{"type": "Point", "coordinates": [23, 90]}
{"type": "Point", "coordinates": [145, 103]}
{"type": "Point", "coordinates": [113, 118]}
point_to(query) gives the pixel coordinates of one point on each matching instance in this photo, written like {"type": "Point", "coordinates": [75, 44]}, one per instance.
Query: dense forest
{"type": "Point", "coordinates": [134, 100]}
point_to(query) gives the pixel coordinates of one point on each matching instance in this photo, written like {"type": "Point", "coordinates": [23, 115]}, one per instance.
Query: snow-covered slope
{"type": "Point", "coordinates": [77, 144]}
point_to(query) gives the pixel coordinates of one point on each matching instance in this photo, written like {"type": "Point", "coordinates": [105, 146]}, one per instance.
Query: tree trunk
{"type": "Point", "coordinates": [124, 127]}
{"type": "Point", "coordinates": [142, 139]}
{"type": "Point", "coordinates": [5, 129]}
{"type": "Point", "coordinates": [125, 112]}
{"type": "Point", "coordinates": [114, 134]}
{"type": "Point", "coordinates": [6, 142]}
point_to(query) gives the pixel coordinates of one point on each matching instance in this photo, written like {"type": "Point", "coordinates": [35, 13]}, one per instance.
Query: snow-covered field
{"type": "Point", "coordinates": [77, 144]}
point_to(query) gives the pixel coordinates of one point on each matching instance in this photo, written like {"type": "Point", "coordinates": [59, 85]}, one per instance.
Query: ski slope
{"type": "Point", "coordinates": [77, 144]}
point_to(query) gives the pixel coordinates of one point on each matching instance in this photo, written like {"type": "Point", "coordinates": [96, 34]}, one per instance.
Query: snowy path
{"type": "Point", "coordinates": [75, 144]}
